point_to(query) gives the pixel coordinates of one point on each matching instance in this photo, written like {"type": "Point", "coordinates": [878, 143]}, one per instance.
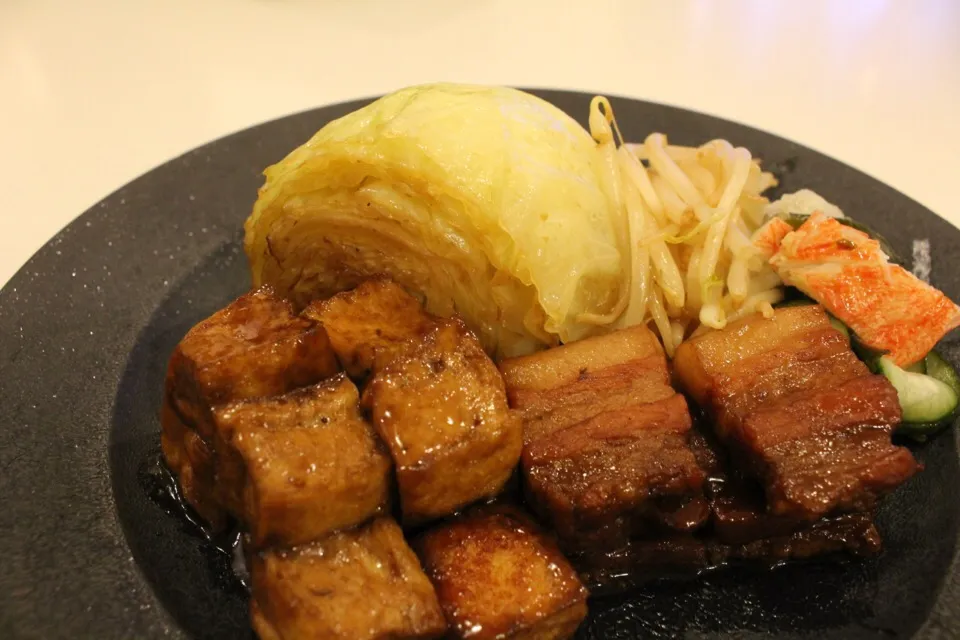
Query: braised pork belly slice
{"type": "Point", "coordinates": [798, 411]}
{"type": "Point", "coordinates": [305, 463]}
{"type": "Point", "coordinates": [829, 450]}
{"type": "Point", "coordinates": [497, 575]}
{"type": "Point", "coordinates": [606, 454]}
{"type": "Point", "coordinates": [254, 347]}
{"type": "Point", "coordinates": [357, 584]}
{"type": "Point", "coordinates": [739, 513]}
{"type": "Point", "coordinates": [559, 387]}
{"type": "Point", "coordinates": [616, 475]}
{"type": "Point", "coordinates": [377, 316]}
{"type": "Point", "coordinates": [611, 570]}
{"type": "Point", "coordinates": [441, 409]}
{"type": "Point", "coordinates": [852, 533]}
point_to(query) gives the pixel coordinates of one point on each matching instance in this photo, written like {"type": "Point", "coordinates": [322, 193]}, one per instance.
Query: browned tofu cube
{"type": "Point", "coordinates": [799, 411]}
{"type": "Point", "coordinates": [377, 316]}
{"type": "Point", "coordinates": [191, 459]}
{"type": "Point", "coordinates": [441, 408]}
{"type": "Point", "coordinates": [310, 464]}
{"type": "Point", "coordinates": [359, 584]}
{"type": "Point", "coordinates": [559, 387]}
{"type": "Point", "coordinates": [254, 347]}
{"type": "Point", "coordinates": [498, 576]}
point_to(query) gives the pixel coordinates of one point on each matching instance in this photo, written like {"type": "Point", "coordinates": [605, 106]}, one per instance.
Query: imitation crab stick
{"type": "Point", "coordinates": [846, 271]}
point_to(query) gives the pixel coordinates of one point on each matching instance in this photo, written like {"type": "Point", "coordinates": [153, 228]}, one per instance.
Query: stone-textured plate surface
{"type": "Point", "coordinates": [86, 328]}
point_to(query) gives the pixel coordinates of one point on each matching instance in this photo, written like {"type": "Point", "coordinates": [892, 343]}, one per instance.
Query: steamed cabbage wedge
{"type": "Point", "coordinates": [485, 201]}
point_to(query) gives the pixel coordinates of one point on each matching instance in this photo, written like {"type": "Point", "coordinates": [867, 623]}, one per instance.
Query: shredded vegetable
{"type": "Point", "coordinates": [689, 215]}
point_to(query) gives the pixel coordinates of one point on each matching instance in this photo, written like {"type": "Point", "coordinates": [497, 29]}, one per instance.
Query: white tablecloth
{"type": "Point", "coordinates": [94, 93]}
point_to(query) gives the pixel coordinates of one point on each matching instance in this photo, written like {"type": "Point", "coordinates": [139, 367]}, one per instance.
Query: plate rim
{"type": "Point", "coordinates": [17, 291]}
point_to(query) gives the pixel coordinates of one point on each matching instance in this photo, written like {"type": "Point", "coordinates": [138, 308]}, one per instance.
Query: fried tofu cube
{"type": "Point", "coordinates": [310, 464]}
{"type": "Point", "coordinates": [441, 409]}
{"type": "Point", "coordinates": [255, 347]}
{"type": "Point", "coordinates": [377, 316]}
{"type": "Point", "coordinates": [191, 459]}
{"type": "Point", "coordinates": [559, 387]}
{"type": "Point", "coordinates": [498, 575]}
{"type": "Point", "coordinates": [609, 478]}
{"type": "Point", "coordinates": [357, 584]}
{"type": "Point", "coordinates": [799, 411]}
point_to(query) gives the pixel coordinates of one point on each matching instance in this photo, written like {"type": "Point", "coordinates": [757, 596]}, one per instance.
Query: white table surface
{"type": "Point", "coordinates": [95, 93]}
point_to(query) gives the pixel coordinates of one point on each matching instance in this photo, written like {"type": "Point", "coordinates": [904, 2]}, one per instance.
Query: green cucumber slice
{"type": "Point", "coordinates": [918, 367]}
{"type": "Point", "coordinates": [936, 366]}
{"type": "Point", "coordinates": [923, 398]}
{"type": "Point", "coordinates": [839, 326]}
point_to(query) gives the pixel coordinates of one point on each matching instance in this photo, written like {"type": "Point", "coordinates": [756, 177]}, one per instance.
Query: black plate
{"type": "Point", "coordinates": [86, 328]}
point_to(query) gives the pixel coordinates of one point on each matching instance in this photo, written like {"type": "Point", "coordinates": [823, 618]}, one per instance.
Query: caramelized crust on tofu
{"type": "Point", "coordinates": [607, 453]}
{"type": "Point", "coordinates": [377, 316]}
{"type": "Point", "coordinates": [799, 411]}
{"type": "Point", "coordinates": [360, 584]}
{"type": "Point", "coordinates": [607, 474]}
{"type": "Point", "coordinates": [191, 459]}
{"type": "Point", "coordinates": [441, 408]}
{"type": "Point", "coordinates": [562, 386]}
{"type": "Point", "coordinates": [310, 464]}
{"type": "Point", "coordinates": [254, 347]}
{"type": "Point", "coordinates": [498, 576]}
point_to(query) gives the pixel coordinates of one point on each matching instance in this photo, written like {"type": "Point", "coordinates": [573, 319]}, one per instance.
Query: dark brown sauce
{"type": "Point", "coordinates": [605, 580]}
{"type": "Point", "coordinates": [160, 485]}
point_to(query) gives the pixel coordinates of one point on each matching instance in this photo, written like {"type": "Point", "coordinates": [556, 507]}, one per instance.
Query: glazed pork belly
{"type": "Point", "coordinates": [640, 561]}
{"type": "Point", "coordinates": [608, 571]}
{"type": "Point", "coordinates": [606, 454]}
{"type": "Point", "coordinates": [497, 575]}
{"type": "Point", "coordinates": [743, 528]}
{"type": "Point", "coordinates": [255, 347]}
{"type": "Point", "coordinates": [852, 533]}
{"type": "Point", "coordinates": [439, 405]}
{"type": "Point", "coordinates": [740, 529]}
{"type": "Point", "coordinates": [798, 411]}
{"type": "Point", "coordinates": [357, 584]}
{"type": "Point", "coordinates": [306, 463]}
{"type": "Point", "coordinates": [376, 317]}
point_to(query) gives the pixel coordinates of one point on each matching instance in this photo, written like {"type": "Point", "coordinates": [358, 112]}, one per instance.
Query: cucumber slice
{"type": "Point", "coordinates": [839, 326]}
{"type": "Point", "coordinates": [869, 355]}
{"type": "Point", "coordinates": [936, 366]}
{"type": "Point", "coordinates": [923, 398]}
{"type": "Point", "coordinates": [918, 367]}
